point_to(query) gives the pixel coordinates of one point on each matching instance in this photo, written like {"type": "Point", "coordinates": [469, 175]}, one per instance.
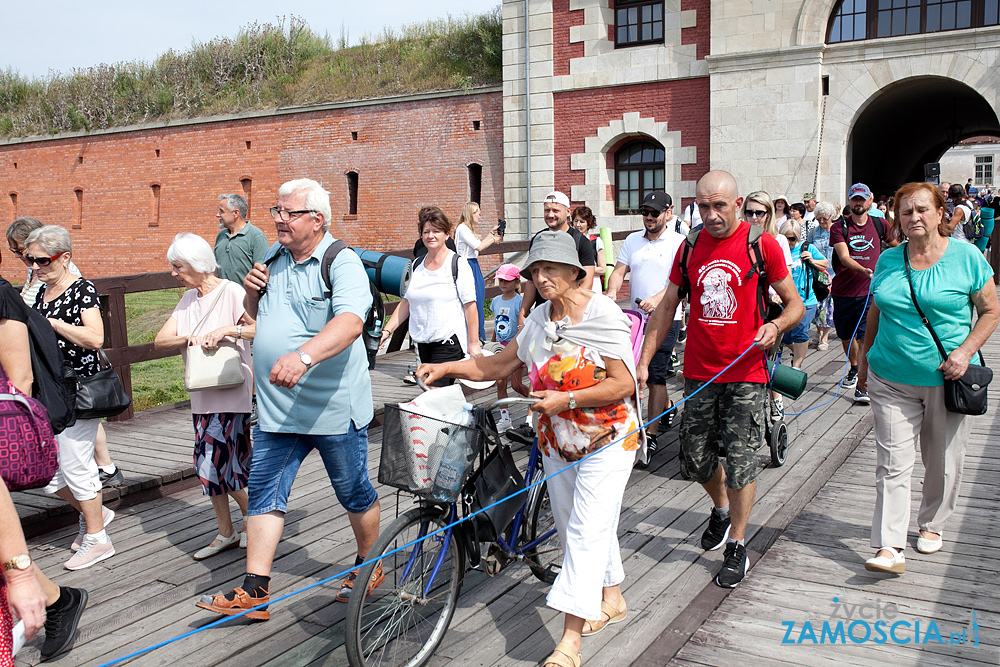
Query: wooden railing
{"type": "Point", "coordinates": [112, 293]}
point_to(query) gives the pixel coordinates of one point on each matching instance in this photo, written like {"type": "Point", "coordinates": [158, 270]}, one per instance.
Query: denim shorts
{"type": "Point", "coordinates": [659, 365]}
{"type": "Point", "coordinates": [276, 461]}
{"type": "Point", "coordinates": [800, 332]}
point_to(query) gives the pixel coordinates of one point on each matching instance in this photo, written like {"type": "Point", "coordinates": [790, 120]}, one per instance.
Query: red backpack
{"type": "Point", "coordinates": [29, 455]}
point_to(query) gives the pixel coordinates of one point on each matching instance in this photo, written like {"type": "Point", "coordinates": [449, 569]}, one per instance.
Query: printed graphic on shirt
{"type": "Point", "coordinates": [860, 243]}
{"type": "Point", "coordinates": [718, 299]}
{"type": "Point", "coordinates": [502, 323]}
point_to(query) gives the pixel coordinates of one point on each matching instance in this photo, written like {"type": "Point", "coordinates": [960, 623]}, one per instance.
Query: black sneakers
{"type": "Point", "coordinates": [61, 620]}
{"type": "Point", "coordinates": [716, 533]}
{"type": "Point", "coordinates": [110, 480]}
{"type": "Point", "coordinates": [523, 434]}
{"type": "Point", "coordinates": [852, 378]}
{"type": "Point", "coordinates": [862, 397]}
{"type": "Point", "coordinates": [734, 567]}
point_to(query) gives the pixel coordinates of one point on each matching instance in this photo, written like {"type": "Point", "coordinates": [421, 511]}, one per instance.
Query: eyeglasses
{"type": "Point", "coordinates": [649, 213]}
{"type": "Point", "coordinates": [755, 214]}
{"type": "Point", "coordinates": [286, 216]}
{"type": "Point", "coordinates": [42, 261]}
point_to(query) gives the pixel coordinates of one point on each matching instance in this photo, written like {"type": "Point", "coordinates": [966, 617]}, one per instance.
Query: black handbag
{"type": "Point", "coordinates": [968, 394]}
{"type": "Point", "coordinates": [101, 394]}
{"type": "Point", "coordinates": [498, 477]}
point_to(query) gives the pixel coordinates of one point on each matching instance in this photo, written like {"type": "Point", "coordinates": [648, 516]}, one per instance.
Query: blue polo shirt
{"type": "Point", "coordinates": [333, 392]}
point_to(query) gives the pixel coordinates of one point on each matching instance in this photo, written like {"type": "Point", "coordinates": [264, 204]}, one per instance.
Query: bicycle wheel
{"type": "Point", "coordinates": [402, 622]}
{"type": "Point", "coordinates": [545, 558]}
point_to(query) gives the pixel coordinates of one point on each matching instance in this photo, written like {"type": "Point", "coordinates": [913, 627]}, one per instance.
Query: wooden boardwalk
{"type": "Point", "coordinates": [815, 573]}
{"type": "Point", "coordinates": [145, 594]}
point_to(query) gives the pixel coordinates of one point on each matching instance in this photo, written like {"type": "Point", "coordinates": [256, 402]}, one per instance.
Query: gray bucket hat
{"type": "Point", "coordinates": [556, 247]}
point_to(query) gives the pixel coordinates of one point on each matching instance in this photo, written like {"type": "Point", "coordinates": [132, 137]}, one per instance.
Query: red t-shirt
{"type": "Point", "coordinates": [724, 319]}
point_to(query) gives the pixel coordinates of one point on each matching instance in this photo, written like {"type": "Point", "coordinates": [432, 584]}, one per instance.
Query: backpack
{"type": "Point", "coordinates": [974, 227]}
{"type": "Point", "coordinates": [371, 332]}
{"type": "Point", "coordinates": [766, 309]}
{"type": "Point", "coordinates": [29, 455]}
{"type": "Point", "coordinates": [54, 383]}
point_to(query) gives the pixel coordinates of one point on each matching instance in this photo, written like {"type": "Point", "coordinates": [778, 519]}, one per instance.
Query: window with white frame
{"type": "Point", "coordinates": [984, 169]}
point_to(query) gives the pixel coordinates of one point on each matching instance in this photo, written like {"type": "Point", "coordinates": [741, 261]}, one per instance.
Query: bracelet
{"type": "Point", "coordinates": [239, 331]}
{"type": "Point", "coordinates": [776, 327]}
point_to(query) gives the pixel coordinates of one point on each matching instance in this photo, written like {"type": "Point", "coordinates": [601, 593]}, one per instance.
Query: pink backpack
{"type": "Point", "coordinates": [29, 455]}
{"type": "Point", "coordinates": [635, 318]}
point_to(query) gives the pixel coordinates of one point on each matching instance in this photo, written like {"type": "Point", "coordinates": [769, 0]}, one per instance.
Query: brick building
{"type": "Point", "coordinates": [125, 193]}
{"type": "Point", "coordinates": [791, 96]}
{"type": "Point", "coordinates": [625, 96]}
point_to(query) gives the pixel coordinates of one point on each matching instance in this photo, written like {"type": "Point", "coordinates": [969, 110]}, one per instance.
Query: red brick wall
{"type": "Point", "coordinates": [562, 49]}
{"type": "Point", "coordinates": [699, 35]}
{"type": "Point", "coordinates": [407, 154]}
{"type": "Point", "coordinates": [683, 104]}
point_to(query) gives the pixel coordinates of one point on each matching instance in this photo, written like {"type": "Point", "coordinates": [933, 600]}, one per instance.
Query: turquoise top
{"type": "Point", "coordinates": [802, 276]}
{"type": "Point", "coordinates": [336, 391]}
{"type": "Point", "coordinates": [903, 350]}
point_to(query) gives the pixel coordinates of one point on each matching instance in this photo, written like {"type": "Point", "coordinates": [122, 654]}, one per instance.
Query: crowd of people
{"type": "Point", "coordinates": [306, 384]}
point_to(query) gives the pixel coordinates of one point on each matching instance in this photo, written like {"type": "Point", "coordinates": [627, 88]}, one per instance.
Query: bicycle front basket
{"type": "Point", "coordinates": [413, 446]}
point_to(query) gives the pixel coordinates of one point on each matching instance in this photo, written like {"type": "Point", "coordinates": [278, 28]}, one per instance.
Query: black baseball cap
{"type": "Point", "coordinates": [658, 200]}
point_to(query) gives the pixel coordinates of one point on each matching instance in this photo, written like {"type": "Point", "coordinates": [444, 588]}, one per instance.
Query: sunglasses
{"type": "Point", "coordinates": [792, 239]}
{"type": "Point", "coordinates": [756, 214]}
{"type": "Point", "coordinates": [649, 213]}
{"type": "Point", "coordinates": [42, 261]}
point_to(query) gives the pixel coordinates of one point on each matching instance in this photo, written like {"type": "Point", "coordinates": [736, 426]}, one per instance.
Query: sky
{"type": "Point", "coordinates": [60, 35]}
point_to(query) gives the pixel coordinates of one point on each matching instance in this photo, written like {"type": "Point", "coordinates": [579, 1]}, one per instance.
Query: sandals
{"type": "Point", "coordinates": [562, 656]}
{"type": "Point", "coordinates": [613, 616]}
{"type": "Point", "coordinates": [347, 585]}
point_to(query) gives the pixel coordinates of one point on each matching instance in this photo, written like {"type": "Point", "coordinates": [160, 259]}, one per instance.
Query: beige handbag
{"type": "Point", "coordinates": [213, 369]}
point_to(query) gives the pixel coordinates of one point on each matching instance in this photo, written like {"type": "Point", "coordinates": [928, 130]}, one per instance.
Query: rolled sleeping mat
{"type": "Point", "coordinates": [609, 254]}
{"type": "Point", "coordinates": [987, 214]}
{"type": "Point", "coordinates": [788, 381]}
{"type": "Point", "coordinates": [390, 274]}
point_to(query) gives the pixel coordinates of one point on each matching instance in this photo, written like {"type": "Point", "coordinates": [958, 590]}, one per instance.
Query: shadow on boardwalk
{"type": "Point", "coordinates": [146, 593]}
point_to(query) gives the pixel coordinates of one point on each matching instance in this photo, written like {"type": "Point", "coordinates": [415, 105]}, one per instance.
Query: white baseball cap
{"type": "Point", "coordinates": [556, 197]}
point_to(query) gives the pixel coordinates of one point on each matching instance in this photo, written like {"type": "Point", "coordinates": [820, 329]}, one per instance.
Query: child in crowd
{"type": "Point", "coordinates": [505, 309]}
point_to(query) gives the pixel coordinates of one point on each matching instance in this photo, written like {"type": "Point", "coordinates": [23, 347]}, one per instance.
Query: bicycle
{"type": "Point", "coordinates": [404, 620]}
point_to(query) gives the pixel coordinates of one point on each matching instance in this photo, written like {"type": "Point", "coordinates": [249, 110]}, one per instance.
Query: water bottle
{"type": "Point", "coordinates": [454, 457]}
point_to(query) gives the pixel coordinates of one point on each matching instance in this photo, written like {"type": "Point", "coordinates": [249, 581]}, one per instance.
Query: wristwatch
{"type": "Point", "coordinates": [306, 359]}
{"type": "Point", "coordinates": [19, 562]}
{"type": "Point", "coordinates": [572, 401]}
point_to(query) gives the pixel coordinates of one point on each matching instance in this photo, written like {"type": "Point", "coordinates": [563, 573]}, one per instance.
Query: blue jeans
{"type": "Point", "coordinates": [276, 461]}
{"type": "Point", "coordinates": [477, 276]}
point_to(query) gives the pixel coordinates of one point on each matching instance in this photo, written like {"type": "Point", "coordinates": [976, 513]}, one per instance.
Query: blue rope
{"type": "Point", "coordinates": [442, 529]}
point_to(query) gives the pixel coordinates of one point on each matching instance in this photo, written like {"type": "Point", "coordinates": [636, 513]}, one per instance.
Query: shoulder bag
{"type": "Point", "coordinates": [101, 394]}
{"type": "Point", "coordinates": [220, 368]}
{"type": "Point", "coordinates": [29, 455]}
{"type": "Point", "coordinates": [968, 394]}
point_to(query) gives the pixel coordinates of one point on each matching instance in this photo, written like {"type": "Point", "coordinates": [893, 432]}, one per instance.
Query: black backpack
{"type": "Point", "coordinates": [766, 309]}
{"type": "Point", "coordinates": [371, 333]}
{"type": "Point", "coordinates": [54, 381]}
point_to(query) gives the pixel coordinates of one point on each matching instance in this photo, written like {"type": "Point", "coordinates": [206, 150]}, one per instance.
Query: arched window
{"type": "Point", "coordinates": [638, 169]}
{"type": "Point", "coordinates": [854, 20]}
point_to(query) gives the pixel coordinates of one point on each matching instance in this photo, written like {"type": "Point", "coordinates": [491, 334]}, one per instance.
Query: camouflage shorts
{"type": "Point", "coordinates": [730, 413]}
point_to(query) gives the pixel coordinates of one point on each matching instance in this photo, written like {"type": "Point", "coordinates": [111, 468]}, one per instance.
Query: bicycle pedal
{"type": "Point", "coordinates": [491, 565]}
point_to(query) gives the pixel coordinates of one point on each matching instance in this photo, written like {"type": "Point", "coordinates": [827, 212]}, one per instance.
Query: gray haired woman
{"type": "Point", "coordinates": [819, 235]}
{"type": "Point", "coordinates": [210, 312]}
{"type": "Point", "coordinates": [71, 305]}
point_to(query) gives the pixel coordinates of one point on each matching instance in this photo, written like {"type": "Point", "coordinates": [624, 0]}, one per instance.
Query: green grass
{"type": "Point", "coordinates": [160, 381]}
{"type": "Point", "coordinates": [263, 67]}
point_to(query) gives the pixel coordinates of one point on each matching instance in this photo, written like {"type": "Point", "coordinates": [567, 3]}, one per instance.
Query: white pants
{"type": "Point", "coordinates": [903, 413]}
{"type": "Point", "coordinates": [586, 502]}
{"type": "Point", "coordinates": [77, 467]}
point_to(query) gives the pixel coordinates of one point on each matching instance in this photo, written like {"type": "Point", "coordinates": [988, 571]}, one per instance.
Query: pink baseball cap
{"type": "Point", "coordinates": [508, 272]}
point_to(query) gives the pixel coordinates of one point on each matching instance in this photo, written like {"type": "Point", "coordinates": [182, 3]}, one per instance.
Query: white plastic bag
{"type": "Point", "coordinates": [441, 405]}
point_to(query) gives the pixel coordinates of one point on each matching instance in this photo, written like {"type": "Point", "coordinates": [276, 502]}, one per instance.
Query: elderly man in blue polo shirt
{"type": "Point", "coordinates": [313, 388]}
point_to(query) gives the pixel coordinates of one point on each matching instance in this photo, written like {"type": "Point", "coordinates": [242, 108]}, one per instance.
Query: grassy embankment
{"type": "Point", "coordinates": [263, 67]}
{"type": "Point", "coordinates": [162, 380]}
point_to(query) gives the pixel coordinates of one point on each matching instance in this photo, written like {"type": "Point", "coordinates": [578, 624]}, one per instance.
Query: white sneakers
{"type": "Point", "coordinates": [91, 551]}
{"type": "Point", "coordinates": [107, 514]}
{"type": "Point", "coordinates": [926, 546]}
{"type": "Point", "coordinates": [504, 423]}
{"type": "Point", "coordinates": [892, 565]}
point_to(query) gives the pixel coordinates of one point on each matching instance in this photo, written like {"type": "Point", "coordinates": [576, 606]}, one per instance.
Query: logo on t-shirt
{"type": "Point", "coordinates": [718, 300]}
{"type": "Point", "coordinates": [860, 243]}
{"type": "Point", "coordinates": [502, 323]}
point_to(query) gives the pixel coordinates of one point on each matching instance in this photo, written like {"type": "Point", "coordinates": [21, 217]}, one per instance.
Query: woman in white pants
{"type": "Point", "coordinates": [580, 363]}
{"type": "Point", "coordinates": [904, 373]}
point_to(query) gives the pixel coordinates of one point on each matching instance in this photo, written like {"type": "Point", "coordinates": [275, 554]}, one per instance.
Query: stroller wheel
{"type": "Point", "coordinates": [778, 440]}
